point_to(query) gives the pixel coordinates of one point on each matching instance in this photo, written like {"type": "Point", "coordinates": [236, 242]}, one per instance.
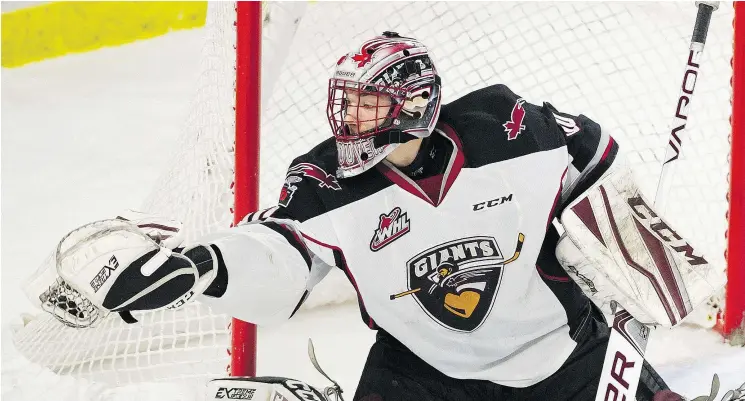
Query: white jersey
{"type": "Point", "coordinates": [458, 266]}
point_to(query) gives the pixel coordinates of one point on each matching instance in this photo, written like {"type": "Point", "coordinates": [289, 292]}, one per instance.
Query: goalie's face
{"type": "Point", "coordinates": [364, 113]}
{"type": "Point", "coordinates": [382, 95]}
{"type": "Point", "coordinates": [362, 117]}
{"type": "Point", "coordinates": [359, 111]}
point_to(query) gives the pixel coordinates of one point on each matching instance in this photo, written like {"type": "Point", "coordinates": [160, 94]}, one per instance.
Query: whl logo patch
{"type": "Point", "coordinates": [456, 283]}
{"type": "Point", "coordinates": [391, 227]}
{"type": "Point", "coordinates": [515, 126]}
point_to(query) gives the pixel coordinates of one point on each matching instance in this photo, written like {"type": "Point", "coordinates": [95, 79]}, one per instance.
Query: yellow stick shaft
{"type": "Point", "coordinates": [405, 293]}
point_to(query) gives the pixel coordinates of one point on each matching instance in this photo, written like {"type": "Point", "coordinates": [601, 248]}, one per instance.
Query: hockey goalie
{"type": "Point", "coordinates": [441, 217]}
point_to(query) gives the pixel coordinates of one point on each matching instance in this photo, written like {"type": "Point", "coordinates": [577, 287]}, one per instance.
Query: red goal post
{"type": "Point", "coordinates": [247, 145]}
{"type": "Point", "coordinates": [735, 309]}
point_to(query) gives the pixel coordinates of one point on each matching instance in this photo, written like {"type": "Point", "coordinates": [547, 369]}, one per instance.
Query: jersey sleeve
{"type": "Point", "coordinates": [274, 257]}
{"type": "Point", "coordinates": [591, 152]}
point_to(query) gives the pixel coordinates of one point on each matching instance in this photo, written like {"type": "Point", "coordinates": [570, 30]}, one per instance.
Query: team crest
{"type": "Point", "coordinates": [391, 227]}
{"type": "Point", "coordinates": [456, 283]}
{"type": "Point", "coordinates": [325, 180]}
{"type": "Point", "coordinates": [288, 190]}
{"type": "Point", "coordinates": [515, 126]}
{"type": "Point", "coordinates": [295, 174]}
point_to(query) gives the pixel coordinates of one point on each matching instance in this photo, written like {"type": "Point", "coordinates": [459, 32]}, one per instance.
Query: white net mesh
{"type": "Point", "coordinates": [188, 345]}
{"type": "Point", "coordinates": [621, 64]}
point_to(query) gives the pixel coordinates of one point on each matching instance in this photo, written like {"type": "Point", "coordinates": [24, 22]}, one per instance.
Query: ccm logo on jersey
{"type": "Point", "coordinates": [391, 227]}
{"type": "Point", "coordinates": [492, 203]}
{"type": "Point", "coordinates": [235, 393]}
{"type": "Point", "coordinates": [515, 126]}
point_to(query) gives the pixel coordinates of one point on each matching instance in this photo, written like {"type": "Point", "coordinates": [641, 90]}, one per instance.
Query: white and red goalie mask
{"type": "Point", "coordinates": [383, 94]}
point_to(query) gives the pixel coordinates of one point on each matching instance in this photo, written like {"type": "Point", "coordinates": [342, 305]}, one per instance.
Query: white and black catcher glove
{"type": "Point", "coordinates": [127, 264]}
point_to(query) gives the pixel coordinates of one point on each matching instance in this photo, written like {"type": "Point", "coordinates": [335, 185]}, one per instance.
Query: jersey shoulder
{"type": "Point", "coordinates": [307, 176]}
{"type": "Point", "coordinates": [495, 124]}
{"type": "Point", "coordinates": [311, 187]}
{"type": "Point", "coordinates": [322, 155]}
{"type": "Point", "coordinates": [485, 100]}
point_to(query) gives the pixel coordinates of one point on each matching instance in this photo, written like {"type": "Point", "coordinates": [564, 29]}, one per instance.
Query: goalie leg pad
{"type": "Point", "coordinates": [615, 239]}
{"type": "Point", "coordinates": [594, 282]}
{"type": "Point", "coordinates": [262, 389]}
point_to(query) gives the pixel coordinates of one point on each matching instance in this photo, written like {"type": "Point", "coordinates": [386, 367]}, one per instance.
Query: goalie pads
{"type": "Point", "coordinates": [274, 388]}
{"type": "Point", "coordinates": [264, 389]}
{"type": "Point", "coordinates": [617, 248]}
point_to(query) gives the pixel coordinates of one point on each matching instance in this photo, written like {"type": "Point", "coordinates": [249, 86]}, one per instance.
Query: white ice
{"type": "Point", "coordinates": [86, 136]}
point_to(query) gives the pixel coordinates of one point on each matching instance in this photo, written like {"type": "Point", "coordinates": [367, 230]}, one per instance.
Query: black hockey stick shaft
{"type": "Point", "coordinates": [628, 339]}
{"type": "Point", "coordinates": [683, 106]}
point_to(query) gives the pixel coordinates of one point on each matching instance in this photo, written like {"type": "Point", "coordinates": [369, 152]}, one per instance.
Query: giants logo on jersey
{"type": "Point", "coordinates": [515, 126]}
{"type": "Point", "coordinates": [456, 283]}
{"type": "Point", "coordinates": [391, 227]}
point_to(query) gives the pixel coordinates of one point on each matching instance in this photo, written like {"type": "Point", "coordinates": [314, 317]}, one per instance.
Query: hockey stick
{"type": "Point", "coordinates": [518, 248]}
{"type": "Point", "coordinates": [698, 39]}
{"type": "Point", "coordinates": [627, 344]}
{"type": "Point", "coordinates": [333, 390]}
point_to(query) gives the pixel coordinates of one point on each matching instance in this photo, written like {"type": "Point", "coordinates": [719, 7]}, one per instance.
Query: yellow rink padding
{"type": "Point", "coordinates": [54, 29]}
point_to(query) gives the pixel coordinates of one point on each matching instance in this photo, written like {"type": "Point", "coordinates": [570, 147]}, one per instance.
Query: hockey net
{"type": "Point", "coordinates": [619, 63]}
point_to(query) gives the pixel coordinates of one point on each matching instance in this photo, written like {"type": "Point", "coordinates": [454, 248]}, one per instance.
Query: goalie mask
{"type": "Point", "coordinates": [384, 94]}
